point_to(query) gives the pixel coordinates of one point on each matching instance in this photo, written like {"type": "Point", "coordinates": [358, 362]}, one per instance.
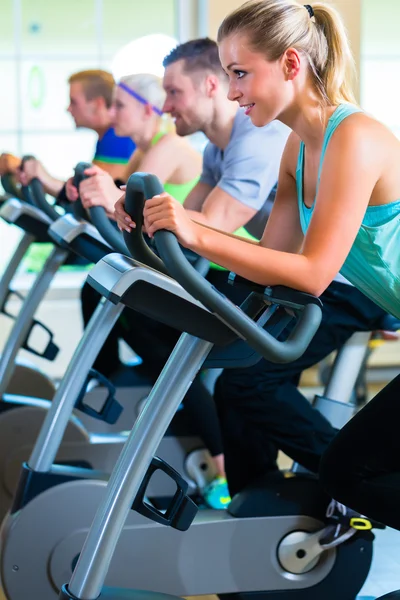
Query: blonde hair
{"type": "Point", "coordinates": [95, 83]}
{"type": "Point", "coordinates": [273, 26]}
{"type": "Point", "coordinates": [150, 88]}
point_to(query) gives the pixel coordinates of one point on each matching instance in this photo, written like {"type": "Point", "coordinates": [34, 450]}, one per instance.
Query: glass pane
{"type": "Point", "coordinates": [9, 234]}
{"type": "Point", "coordinates": [8, 112]}
{"type": "Point", "coordinates": [7, 43]}
{"type": "Point", "coordinates": [380, 91]}
{"type": "Point", "coordinates": [9, 143]}
{"type": "Point", "coordinates": [133, 20]}
{"type": "Point", "coordinates": [59, 27]}
{"type": "Point", "coordinates": [61, 152]}
{"type": "Point", "coordinates": [380, 27]}
{"type": "Point", "coordinates": [9, 238]}
{"type": "Point", "coordinates": [143, 55]}
{"type": "Point", "coordinates": [45, 93]}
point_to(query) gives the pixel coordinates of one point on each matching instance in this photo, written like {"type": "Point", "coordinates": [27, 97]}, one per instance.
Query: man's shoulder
{"type": "Point", "coordinates": [256, 141]}
{"type": "Point", "coordinates": [114, 147]}
{"type": "Point", "coordinates": [244, 130]}
{"type": "Point", "coordinates": [108, 136]}
{"type": "Point", "coordinates": [210, 152]}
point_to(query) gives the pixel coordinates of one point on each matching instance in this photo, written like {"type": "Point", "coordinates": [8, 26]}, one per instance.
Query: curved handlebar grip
{"type": "Point", "coordinates": [107, 230]}
{"type": "Point", "coordinates": [79, 175]}
{"type": "Point", "coordinates": [39, 199]}
{"type": "Point", "coordinates": [34, 193]}
{"type": "Point", "coordinates": [10, 187]}
{"type": "Point", "coordinates": [26, 192]}
{"type": "Point", "coordinates": [139, 188]}
{"type": "Point", "coordinates": [259, 339]}
{"type": "Point", "coordinates": [97, 214]}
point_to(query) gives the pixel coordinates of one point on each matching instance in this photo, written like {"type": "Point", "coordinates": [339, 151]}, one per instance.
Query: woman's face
{"type": "Point", "coordinates": [127, 114]}
{"type": "Point", "coordinates": [255, 83]}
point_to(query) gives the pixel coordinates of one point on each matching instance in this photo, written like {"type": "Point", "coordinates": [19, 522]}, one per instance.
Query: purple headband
{"type": "Point", "coordinates": [127, 89]}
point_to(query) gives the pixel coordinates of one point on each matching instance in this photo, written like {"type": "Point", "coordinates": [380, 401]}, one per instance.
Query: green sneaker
{"type": "Point", "coordinates": [216, 494]}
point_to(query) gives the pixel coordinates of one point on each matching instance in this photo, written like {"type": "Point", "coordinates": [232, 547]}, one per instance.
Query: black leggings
{"type": "Point", "coordinates": [154, 342]}
{"type": "Point", "coordinates": [361, 467]}
{"type": "Point", "coordinates": [261, 409]}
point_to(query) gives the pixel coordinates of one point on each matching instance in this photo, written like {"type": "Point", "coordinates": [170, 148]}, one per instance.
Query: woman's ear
{"type": "Point", "coordinates": [291, 63]}
{"type": "Point", "coordinates": [148, 111]}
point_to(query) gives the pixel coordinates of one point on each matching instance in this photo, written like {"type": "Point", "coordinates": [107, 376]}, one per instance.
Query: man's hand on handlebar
{"type": "Point", "coordinates": [32, 169]}
{"type": "Point", "coordinates": [99, 190]}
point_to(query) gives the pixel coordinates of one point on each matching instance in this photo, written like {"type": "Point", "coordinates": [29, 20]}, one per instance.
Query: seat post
{"type": "Point", "coordinates": [346, 367]}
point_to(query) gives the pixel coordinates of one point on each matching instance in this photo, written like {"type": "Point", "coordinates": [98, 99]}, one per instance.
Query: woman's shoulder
{"type": "Point", "coordinates": [293, 144]}
{"type": "Point", "coordinates": [171, 141]}
{"type": "Point", "coordinates": [166, 138]}
{"type": "Point", "coordinates": [361, 138]}
{"type": "Point", "coordinates": [360, 126]}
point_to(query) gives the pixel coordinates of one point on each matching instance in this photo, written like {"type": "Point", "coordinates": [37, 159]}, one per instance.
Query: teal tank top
{"type": "Point", "coordinates": [373, 264]}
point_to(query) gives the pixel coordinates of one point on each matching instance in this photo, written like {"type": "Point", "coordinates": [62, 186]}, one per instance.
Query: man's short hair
{"type": "Point", "coordinates": [95, 83]}
{"type": "Point", "coordinates": [198, 55]}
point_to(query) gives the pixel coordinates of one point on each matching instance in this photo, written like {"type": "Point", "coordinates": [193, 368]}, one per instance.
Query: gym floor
{"type": "Point", "coordinates": [385, 573]}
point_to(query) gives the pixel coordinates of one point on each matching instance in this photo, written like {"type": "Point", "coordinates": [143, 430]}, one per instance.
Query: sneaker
{"type": "Point", "coordinates": [216, 494]}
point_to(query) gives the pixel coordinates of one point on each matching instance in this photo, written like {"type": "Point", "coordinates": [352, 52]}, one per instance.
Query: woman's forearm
{"type": "Point", "coordinates": [256, 263]}
{"type": "Point", "coordinates": [232, 235]}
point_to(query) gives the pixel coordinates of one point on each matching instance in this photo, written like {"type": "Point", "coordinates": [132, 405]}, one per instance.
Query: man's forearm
{"type": "Point", "coordinates": [53, 186]}
{"type": "Point", "coordinates": [199, 217]}
{"type": "Point", "coordinates": [202, 219]}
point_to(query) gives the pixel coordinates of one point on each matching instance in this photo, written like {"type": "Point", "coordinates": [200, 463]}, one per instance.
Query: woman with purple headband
{"type": "Point", "coordinates": [137, 112]}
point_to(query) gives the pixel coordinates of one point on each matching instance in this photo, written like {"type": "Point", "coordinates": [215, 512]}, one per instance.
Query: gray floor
{"type": "Point", "coordinates": [385, 572]}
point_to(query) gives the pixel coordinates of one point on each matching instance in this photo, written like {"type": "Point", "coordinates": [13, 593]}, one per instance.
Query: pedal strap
{"type": "Point", "coordinates": [355, 521]}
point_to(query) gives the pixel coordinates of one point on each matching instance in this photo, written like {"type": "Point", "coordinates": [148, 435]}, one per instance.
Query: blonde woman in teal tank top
{"type": "Point", "coordinates": [337, 207]}
{"type": "Point", "coordinates": [137, 113]}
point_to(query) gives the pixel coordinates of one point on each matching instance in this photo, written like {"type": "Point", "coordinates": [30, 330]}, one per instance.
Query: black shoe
{"type": "Point", "coordinates": [391, 596]}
